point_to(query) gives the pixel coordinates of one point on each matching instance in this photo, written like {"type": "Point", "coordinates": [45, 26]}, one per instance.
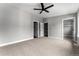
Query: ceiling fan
{"type": "Point", "coordinates": [44, 8]}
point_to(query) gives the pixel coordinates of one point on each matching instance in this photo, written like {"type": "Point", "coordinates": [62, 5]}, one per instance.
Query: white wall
{"type": "Point", "coordinates": [78, 27]}
{"type": "Point", "coordinates": [78, 23]}
{"type": "Point", "coordinates": [55, 25]}
{"type": "Point", "coordinates": [15, 24]}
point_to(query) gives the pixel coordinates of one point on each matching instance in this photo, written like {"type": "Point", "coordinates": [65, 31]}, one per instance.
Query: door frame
{"type": "Point", "coordinates": [39, 34]}
{"type": "Point", "coordinates": [38, 28]}
{"type": "Point", "coordinates": [74, 19]}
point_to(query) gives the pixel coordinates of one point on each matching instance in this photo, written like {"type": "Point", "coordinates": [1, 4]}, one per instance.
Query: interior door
{"type": "Point", "coordinates": [45, 29]}
{"type": "Point", "coordinates": [35, 29]}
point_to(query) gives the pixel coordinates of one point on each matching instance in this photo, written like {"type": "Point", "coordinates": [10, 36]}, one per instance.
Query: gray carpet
{"type": "Point", "coordinates": [38, 47]}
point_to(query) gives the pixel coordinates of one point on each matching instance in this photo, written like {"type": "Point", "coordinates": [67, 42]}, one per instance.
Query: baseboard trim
{"type": "Point", "coordinates": [56, 37]}
{"type": "Point", "coordinates": [14, 42]}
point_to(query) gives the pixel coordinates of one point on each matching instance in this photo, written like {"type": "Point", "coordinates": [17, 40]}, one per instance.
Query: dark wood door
{"type": "Point", "coordinates": [35, 29]}
{"type": "Point", "coordinates": [46, 29]}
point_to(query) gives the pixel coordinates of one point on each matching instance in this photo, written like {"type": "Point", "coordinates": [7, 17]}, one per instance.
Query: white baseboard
{"type": "Point", "coordinates": [14, 42]}
{"type": "Point", "coordinates": [56, 37]}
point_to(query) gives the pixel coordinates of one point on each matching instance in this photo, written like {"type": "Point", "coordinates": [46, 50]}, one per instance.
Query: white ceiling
{"type": "Point", "coordinates": [58, 9]}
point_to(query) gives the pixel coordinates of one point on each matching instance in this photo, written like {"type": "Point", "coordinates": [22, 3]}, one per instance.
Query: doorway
{"type": "Point", "coordinates": [69, 29]}
{"type": "Point", "coordinates": [45, 29]}
{"type": "Point", "coordinates": [40, 29]}
{"type": "Point", "coordinates": [35, 29]}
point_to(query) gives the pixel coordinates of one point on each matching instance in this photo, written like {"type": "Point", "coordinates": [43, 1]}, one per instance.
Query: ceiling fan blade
{"type": "Point", "coordinates": [46, 11]}
{"type": "Point", "coordinates": [41, 12]}
{"type": "Point", "coordinates": [37, 9]}
{"type": "Point", "coordinates": [42, 5]}
{"type": "Point", "coordinates": [49, 6]}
